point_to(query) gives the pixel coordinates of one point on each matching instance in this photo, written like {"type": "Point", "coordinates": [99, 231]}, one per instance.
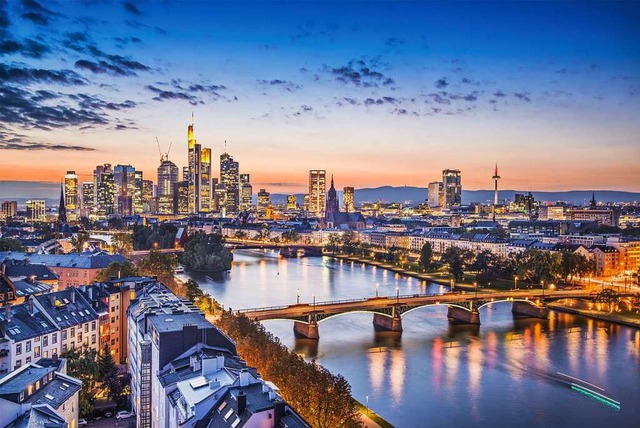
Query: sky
{"type": "Point", "coordinates": [377, 93]}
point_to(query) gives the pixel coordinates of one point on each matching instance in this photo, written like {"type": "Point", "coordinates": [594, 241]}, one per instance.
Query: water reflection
{"type": "Point", "coordinates": [440, 374]}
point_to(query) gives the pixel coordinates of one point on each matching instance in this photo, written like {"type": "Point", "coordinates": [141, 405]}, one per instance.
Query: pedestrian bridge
{"type": "Point", "coordinates": [388, 311]}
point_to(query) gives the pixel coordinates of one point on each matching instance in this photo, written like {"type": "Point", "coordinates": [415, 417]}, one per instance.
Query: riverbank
{"type": "Point", "coordinates": [615, 318]}
{"type": "Point", "coordinates": [371, 419]}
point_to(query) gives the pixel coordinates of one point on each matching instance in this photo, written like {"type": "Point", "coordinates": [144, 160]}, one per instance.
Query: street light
{"type": "Point", "coordinates": [397, 295]}
{"type": "Point", "coordinates": [542, 283]}
{"type": "Point", "coordinates": [377, 287]}
{"type": "Point", "coordinates": [515, 282]}
{"type": "Point", "coordinates": [314, 303]}
{"type": "Point", "coordinates": [452, 282]}
{"type": "Point", "coordinates": [366, 398]}
{"type": "Point", "coordinates": [475, 284]}
{"type": "Point", "coordinates": [298, 297]}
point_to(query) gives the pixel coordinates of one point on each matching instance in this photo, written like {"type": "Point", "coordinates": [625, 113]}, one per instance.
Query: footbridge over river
{"type": "Point", "coordinates": [388, 311]}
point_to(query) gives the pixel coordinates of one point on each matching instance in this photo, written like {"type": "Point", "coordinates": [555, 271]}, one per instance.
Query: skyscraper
{"type": "Point", "coordinates": [193, 179]}
{"type": "Point", "coordinates": [264, 199]}
{"type": "Point", "coordinates": [230, 179]}
{"type": "Point", "coordinates": [104, 189]}
{"type": "Point", "coordinates": [452, 187]}
{"type": "Point", "coordinates": [71, 191]}
{"type": "Point", "coordinates": [167, 178]}
{"type": "Point", "coordinates": [435, 197]}
{"type": "Point", "coordinates": [9, 209]}
{"type": "Point", "coordinates": [317, 190]}
{"type": "Point", "coordinates": [87, 202]}
{"type": "Point", "coordinates": [36, 210]}
{"type": "Point", "coordinates": [348, 197]}
{"type": "Point", "coordinates": [124, 179]}
{"type": "Point", "coordinates": [138, 192]}
{"type": "Point", "coordinates": [205, 180]}
{"type": "Point", "coordinates": [292, 202]}
{"type": "Point", "coordinates": [246, 193]}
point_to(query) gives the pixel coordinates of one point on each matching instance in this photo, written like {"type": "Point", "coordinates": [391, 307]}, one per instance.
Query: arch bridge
{"type": "Point", "coordinates": [388, 311]}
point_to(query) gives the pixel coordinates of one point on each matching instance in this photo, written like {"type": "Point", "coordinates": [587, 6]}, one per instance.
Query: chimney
{"type": "Point", "coordinates": [7, 312]}
{"type": "Point", "coordinates": [278, 410]}
{"type": "Point", "coordinates": [90, 291]}
{"type": "Point", "coordinates": [52, 299]}
{"type": "Point", "coordinates": [241, 401]}
{"type": "Point", "coordinates": [244, 377]}
{"type": "Point", "coordinates": [72, 292]}
{"type": "Point", "coordinates": [30, 303]}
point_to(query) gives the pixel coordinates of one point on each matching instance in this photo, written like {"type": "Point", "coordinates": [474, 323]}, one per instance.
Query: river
{"type": "Point", "coordinates": [506, 372]}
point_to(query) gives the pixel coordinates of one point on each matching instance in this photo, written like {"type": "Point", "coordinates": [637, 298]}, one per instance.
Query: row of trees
{"type": "Point", "coordinates": [163, 236]}
{"type": "Point", "coordinates": [205, 252]}
{"type": "Point", "coordinates": [93, 369]}
{"type": "Point", "coordinates": [202, 300]}
{"type": "Point", "coordinates": [322, 398]}
{"type": "Point", "coordinates": [155, 263]}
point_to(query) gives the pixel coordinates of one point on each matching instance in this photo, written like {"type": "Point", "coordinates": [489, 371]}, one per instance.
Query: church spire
{"type": "Point", "coordinates": [593, 204]}
{"type": "Point", "coordinates": [332, 181]}
{"type": "Point", "coordinates": [62, 210]}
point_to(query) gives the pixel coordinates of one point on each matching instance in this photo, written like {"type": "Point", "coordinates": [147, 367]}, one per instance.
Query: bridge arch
{"type": "Point", "coordinates": [362, 311]}
{"type": "Point", "coordinates": [435, 304]}
{"type": "Point", "coordinates": [510, 300]}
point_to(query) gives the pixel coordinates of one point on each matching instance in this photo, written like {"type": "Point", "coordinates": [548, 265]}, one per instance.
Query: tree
{"type": "Point", "coordinates": [208, 304]}
{"type": "Point", "coordinates": [83, 366]}
{"type": "Point", "coordinates": [116, 223]}
{"type": "Point", "coordinates": [333, 243]}
{"type": "Point", "coordinates": [117, 270]}
{"type": "Point", "coordinates": [106, 364]}
{"type": "Point", "coordinates": [536, 266]}
{"type": "Point", "coordinates": [78, 241]}
{"type": "Point", "coordinates": [161, 265]}
{"type": "Point", "coordinates": [121, 242]}
{"type": "Point", "coordinates": [193, 291]}
{"type": "Point", "coordinates": [263, 233]}
{"type": "Point", "coordinates": [290, 236]}
{"type": "Point", "coordinates": [426, 254]}
{"type": "Point", "coordinates": [457, 259]}
{"type": "Point", "coordinates": [240, 234]}
{"type": "Point", "coordinates": [206, 253]}
{"type": "Point", "coordinates": [10, 244]}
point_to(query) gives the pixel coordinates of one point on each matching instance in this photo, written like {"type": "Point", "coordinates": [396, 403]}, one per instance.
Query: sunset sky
{"type": "Point", "coordinates": [375, 93]}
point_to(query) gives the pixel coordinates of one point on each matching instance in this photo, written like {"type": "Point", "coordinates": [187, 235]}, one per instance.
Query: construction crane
{"type": "Point", "coordinates": [163, 157]}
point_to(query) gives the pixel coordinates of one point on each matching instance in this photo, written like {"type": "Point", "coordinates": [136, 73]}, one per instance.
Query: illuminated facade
{"type": "Point", "coordinates": [205, 180]}
{"type": "Point", "coordinates": [87, 201]}
{"type": "Point", "coordinates": [104, 189]}
{"type": "Point", "coordinates": [138, 192]}
{"type": "Point", "coordinates": [348, 196]}
{"type": "Point", "coordinates": [181, 197]}
{"type": "Point", "coordinates": [264, 199]}
{"type": "Point", "coordinates": [452, 187]}
{"type": "Point", "coordinates": [71, 191]}
{"type": "Point", "coordinates": [9, 209]}
{"type": "Point", "coordinates": [124, 179]}
{"type": "Point", "coordinates": [246, 193]}
{"type": "Point", "coordinates": [317, 190]}
{"type": "Point", "coordinates": [230, 179]}
{"type": "Point", "coordinates": [167, 178]}
{"type": "Point", "coordinates": [435, 196]}
{"type": "Point", "coordinates": [292, 202]}
{"type": "Point", "coordinates": [192, 181]}
{"type": "Point", "coordinates": [36, 210]}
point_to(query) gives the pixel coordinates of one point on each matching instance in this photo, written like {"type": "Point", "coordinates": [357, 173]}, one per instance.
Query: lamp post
{"type": "Point", "coordinates": [542, 283]}
{"type": "Point", "coordinates": [397, 295]}
{"type": "Point", "coordinates": [377, 287]}
{"type": "Point", "coordinates": [452, 282]}
{"type": "Point", "coordinates": [515, 282]}
{"type": "Point", "coordinates": [314, 303]}
{"type": "Point", "coordinates": [298, 297]}
{"type": "Point", "coordinates": [366, 399]}
{"type": "Point", "coordinates": [475, 284]}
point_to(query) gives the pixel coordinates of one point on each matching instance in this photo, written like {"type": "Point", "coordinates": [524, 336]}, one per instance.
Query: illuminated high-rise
{"type": "Point", "coordinates": [88, 198]}
{"type": "Point", "coordinates": [317, 190]}
{"type": "Point", "coordinates": [452, 187]}
{"type": "Point", "coordinates": [125, 180]}
{"type": "Point", "coordinates": [435, 196]}
{"type": "Point", "coordinates": [167, 178]}
{"type": "Point", "coordinates": [292, 202]}
{"type": "Point", "coordinates": [71, 191]}
{"type": "Point", "coordinates": [246, 193]}
{"type": "Point", "coordinates": [36, 210]}
{"type": "Point", "coordinates": [104, 189]}
{"type": "Point", "coordinates": [230, 179]}
{"type": "Point", "coordinates": [9, 209]}
{"type": "Point", "coordinates": [264, 199]}
{"type": "Point", "coordinates": [205, 181]}
{"type": "Point", "coordinates": [348, 198]}
{"type": "Point", "coordinates": [193, 181]}
{"type": "Point", "coordinates": [138, 192]}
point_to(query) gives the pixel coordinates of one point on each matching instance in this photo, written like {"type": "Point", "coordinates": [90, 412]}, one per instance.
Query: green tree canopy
{"type": "Point", "coordinates": [457, 259]}
{"type": "Point", "coordinates": [426, 256]}
{"type": "Point", "coordinates": [118, 270]}
{"type": "Point", "coordinates": [10, 244]}
{"type": "Point", "coordinates": [206, 253]}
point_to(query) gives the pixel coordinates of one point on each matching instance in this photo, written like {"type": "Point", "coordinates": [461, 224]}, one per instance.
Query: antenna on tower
{"type": "Point", "coordinates": [225, 146]}
{"type": "Point", "coordinates": [168, 150]}
{"type": "Point", "coordinates": [192, 118]}
{"type": "Point", "coordinates": [159, 150]}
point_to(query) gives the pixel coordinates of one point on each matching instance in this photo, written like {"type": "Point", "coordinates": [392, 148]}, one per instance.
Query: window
{"type": "Point", "coordinates": [10, 295]}
{"type": "Point", "coordinates": [36, 351]}
{"type": "Point", "coordinates": [64, 348]}
{"type": "Point", "coordinates": [19, 349]}
{"type": "Point", "coordinates": [93, 326]}
{"type": "Point", "coordinates": [45, 341]}
{"type": "Point", "coordinates": [86, 328]}
{"type": "Point", "coordinates": [132, 295]}
{"type": "Point", "coordinates": [73, 345]}
{"type": "Point", "coordinates": [113, 320]}
{"type": "Point", "coordinates": [54, 338]}
{"type": "Point", "coordinates": [45, 354]}
{"type": "Point", "coordinates": [73, 331]}
{"type": "Point", "coordinates": [36, 339]}
{"type": "Point", "coordinates": [27, 360]}
{"type": "Point", "coordinates": [28, 347]}
{"type": "Point", "coordinates": [21, 396]}
{"type": "Point", "coordinates": [113, 308]}
{"type": "Point", "coordinates": [113, 342]}
{"type": "Point", "coordinates": [18, 363]}
{"type": "Point", "coordinates": [64, 334]}
{"type": "Point", "coordinates": [113, 297]}
{"type": "Point", "coordinates": [93, 339]}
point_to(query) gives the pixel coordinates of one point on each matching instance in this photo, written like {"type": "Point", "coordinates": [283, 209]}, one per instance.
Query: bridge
{"type": "Point", "coordinates": [388, 311]}
{"type": "Point", "coordinates": [286, 249]}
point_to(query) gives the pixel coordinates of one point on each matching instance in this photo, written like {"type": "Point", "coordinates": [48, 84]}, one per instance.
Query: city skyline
{"type": "Point", "coordinates": [404, 89]}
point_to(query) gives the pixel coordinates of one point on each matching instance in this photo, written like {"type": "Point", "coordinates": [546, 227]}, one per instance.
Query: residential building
{"type": "Point", "coordinates": [36, 210]}
{"type": "Point", "coordinates": [9, 209]}
{"type": "Point", "coordinates": [606, 260]}
{"type": "Point", "coordinates": [602, 216]}
{"type": "Point", "coordinates": [317, 192]}
{"type": "Point", "coordinates": [45, 396]}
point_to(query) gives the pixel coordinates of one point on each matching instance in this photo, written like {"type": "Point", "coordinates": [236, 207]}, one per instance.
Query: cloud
{"type": "Point", "coordinates": [405, 112]}
{"type": "Point", "coordinates": [303, 109]}
{"type": "Point", "coordinates": [94, 102]}
{"type": "Point", "coordinates": [212, 90]}
{"type": "Point", "coordinates": [285, 85]}
{"type": "Point", "coordinates": [137, 24]}
{"type": "Point", "coordinates": [36, 13]}
{"type": "Point", "coordinates": [119, 66]}
{"type": "Point", "coordinates": [315, 30]}
{"type": "Point", "coordinates": [19, 144]}
{"type": "Point", "coordinates": [499, 94]}
{"type": "Point", "coordinates": [18, 73]}
{"type": "Point", "coordinates": [121, 42]}
{"type": "Point", "coordinates": [381, 101]}
{"type": "Point", "coordinates": [438, 98]}
{"type": "Point", "coordinates": [524, 96]}
{"type": "Point", "coordinates": [164, 95]}
{"type": "Point", "coordinates": [394, 42]}
{"type": "Point", "coordinates": [28, 48]}
{"type": "Point", "coordinates": [359, 72]}
{"type": "Point", "coordinates": [442, 83]}
{"type": "Point", "coordinates": [131, 7]}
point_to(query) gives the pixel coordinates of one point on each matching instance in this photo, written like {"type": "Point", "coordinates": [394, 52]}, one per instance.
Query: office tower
{"type": "Point", "coordinates": [264, 198]}
{"type": "Point", "coordinates": [317, 190]}
{"type": "Point", "coordinates": [71, 191]}
{"type": "Point", "coordinates": [246, 193]}
{"type": "Point", "coordinates": [220, 199]}
{"type": "Point", "coordinates": [205, 181]}
{"type": "Point", "coordinates": [193, 166]}
{"type": "Point", "coordinates": [167, 178]}
{"type": "Point", "coordinates": [104, 189]}
{"type": "Point", "coordinates": [125, 179]}
{"type": "Point", "coordinates": [185, 173]}
{"type": "Point", "coordinates": [9, 209]}
{"type": "Point", "coordinates": [305, 202]}
{"type": "Point", "coordinates": [348, 196]}
{"type": "Point", "coordinates": [149, 201]}
{"type": "Point", "coordinates": [435, 195]}
{"type": "Point", "coordinates": [495, 178]}
{"type": "Point", "coordinates": [181, 197]}
{"type": "Point", "coordinates": [452, 187]}
{"type": "Point", "coordinates": [138, 192]}
{"type": "Point", "coordinates": [36, 210]}
{"type": "Point", "coordinates": [87, 201]}
{"type": "Point", "coordinates": [230, 179]}
{"type": "Point", "coordinates": [292, 202]}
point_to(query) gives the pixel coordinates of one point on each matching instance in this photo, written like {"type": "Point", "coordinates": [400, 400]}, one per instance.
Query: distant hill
{"type": "Point", "coordinates": [415, 195]}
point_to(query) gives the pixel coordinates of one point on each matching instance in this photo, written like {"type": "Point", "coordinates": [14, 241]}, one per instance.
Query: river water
{"type": "Point", "coordinates": [506, 372]}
